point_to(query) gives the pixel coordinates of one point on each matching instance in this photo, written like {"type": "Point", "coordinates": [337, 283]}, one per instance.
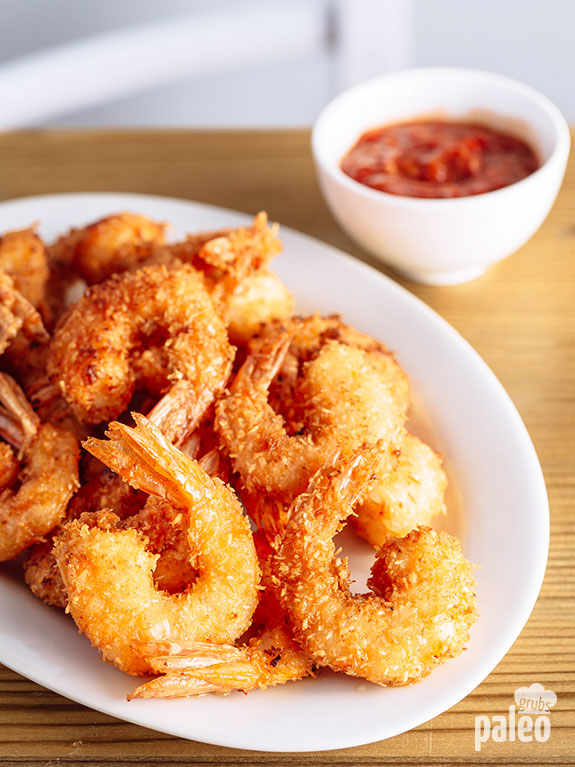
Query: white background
{"type": "Point", "coordinates": [531, 40]}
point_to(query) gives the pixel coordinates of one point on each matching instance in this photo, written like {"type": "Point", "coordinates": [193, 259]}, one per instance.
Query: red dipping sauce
{"type": "Point", "coordinates": [435, 158]}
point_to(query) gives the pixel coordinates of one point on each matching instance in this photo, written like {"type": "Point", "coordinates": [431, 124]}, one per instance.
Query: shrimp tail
{"type": "Point", "coordinates": [212, 463]}
{"type": "Point", "coordinates": [179, 412]}
{"type": "Point", "coordinates": [269, 513]}
{"type": "Point", "coordinates": [185, 656]}
{"type": "Point", "coordinates": [43, 392]}
{"type": "Point", "coordinates": [243, 674]}
{"type": "Point", "coordinates": [175, 686]}
{"type": "Point", "coordinates": [223, 676]}
{"type": "Point", "coordinates": [10, 429]}
{"type": "Point", "coordinates": [16, 314]}
{"type": "Point", "coordinates": [144, 458]}
{"type": "Point", "coordinates": [259, 370]}
{"type": "Point", "coordinates": [236, 253]}
{"type": "Point", "coordinates": [271, 659]}
{"type": "Point", "coordinates": [18, 415]}
{"type": "Point", "coordinates": [195, 668]}
{"type": "Point", "coordinates": [344, 486]}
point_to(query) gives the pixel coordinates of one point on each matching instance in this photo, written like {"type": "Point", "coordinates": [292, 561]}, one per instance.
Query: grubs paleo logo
{"type": "Point", "coordinates": [529, 718]}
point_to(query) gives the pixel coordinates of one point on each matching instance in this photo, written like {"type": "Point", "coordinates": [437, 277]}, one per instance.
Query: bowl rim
{"type": "Point", "coordinates": [559, 152]}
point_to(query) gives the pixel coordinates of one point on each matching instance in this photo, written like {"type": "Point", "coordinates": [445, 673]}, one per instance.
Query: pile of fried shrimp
{"type": "Point", "coordinates": [179, 450]}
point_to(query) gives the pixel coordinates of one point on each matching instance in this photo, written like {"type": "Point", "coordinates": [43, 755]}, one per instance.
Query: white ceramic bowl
{"type": "Point", "coordinates": [441, 241]}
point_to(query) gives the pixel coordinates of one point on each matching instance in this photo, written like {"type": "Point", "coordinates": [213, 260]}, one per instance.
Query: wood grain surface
{"type": "Point", "coordinates": [519, 316]}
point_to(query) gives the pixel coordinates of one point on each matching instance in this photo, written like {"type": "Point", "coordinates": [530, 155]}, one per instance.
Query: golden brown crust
{"type": "Point", "coordinates": [334, 391]}
{"type": "Point", "coordinates": [23, 256]}
{"type": "Point", "coordinates": [114, 244]}
{"type": "Point", "coordinates": [49, 478]}
{"type": "Point", "coordinates": [422, 604]}
{"type": "Point", "coordinates": [19, 320]}
{"type": "Point", "coordinates": [159, 587]}
{"type": "Point", "coordinates": [411, 494]}
{"type": "Point", "coordinates": [95, 351]}
{"type": "Point", "coordinates": [108, 570]}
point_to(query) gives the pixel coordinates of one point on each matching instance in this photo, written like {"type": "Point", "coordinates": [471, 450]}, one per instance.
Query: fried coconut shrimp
{"type": "Point", "coordinates": [234, 263]}
{"type": "Point", "coordinates": [267, 656]}
{"type": "Point", "coordinates": [48, 476]}
{"type": "Point", "coordinates": [23, 257]}
{"type": "Point", "coordinates": [309, 335]}
{"type": "Point", "coordinates": [162, 525]}
{"type": "Point", "coordinates": [100, 491]}
{"type": "Point", "coordinates": [42, 574]}
{"type": "Point", "coordinates": [18, 318]}
{"type": "Point", "coordinates": [260, 298]}
{"type": "Point", "coordinates": [113, 244]}
{"type": "Point", "coordinates": [154, 327]}
{"type": "Point", "coordinates": [108, 571]}
{"type": "Point", "coordinates": [411, 494]}
{"type": "Point", "coordinates": [342, 401]}
{"type": "Point", "coordinates": [23, 336]}
{"type": "Point", "coordinates": [228, 256]}
{"type": "Point", "coordinates": [422, 602]}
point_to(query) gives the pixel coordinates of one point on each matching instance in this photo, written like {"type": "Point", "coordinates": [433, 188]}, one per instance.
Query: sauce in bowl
{"type": "Point", "coordinates": [437, 158]}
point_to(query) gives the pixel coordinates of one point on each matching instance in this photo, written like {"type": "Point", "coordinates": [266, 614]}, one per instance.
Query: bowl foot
{"type": "Point", "coordinates": [444, 278]}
